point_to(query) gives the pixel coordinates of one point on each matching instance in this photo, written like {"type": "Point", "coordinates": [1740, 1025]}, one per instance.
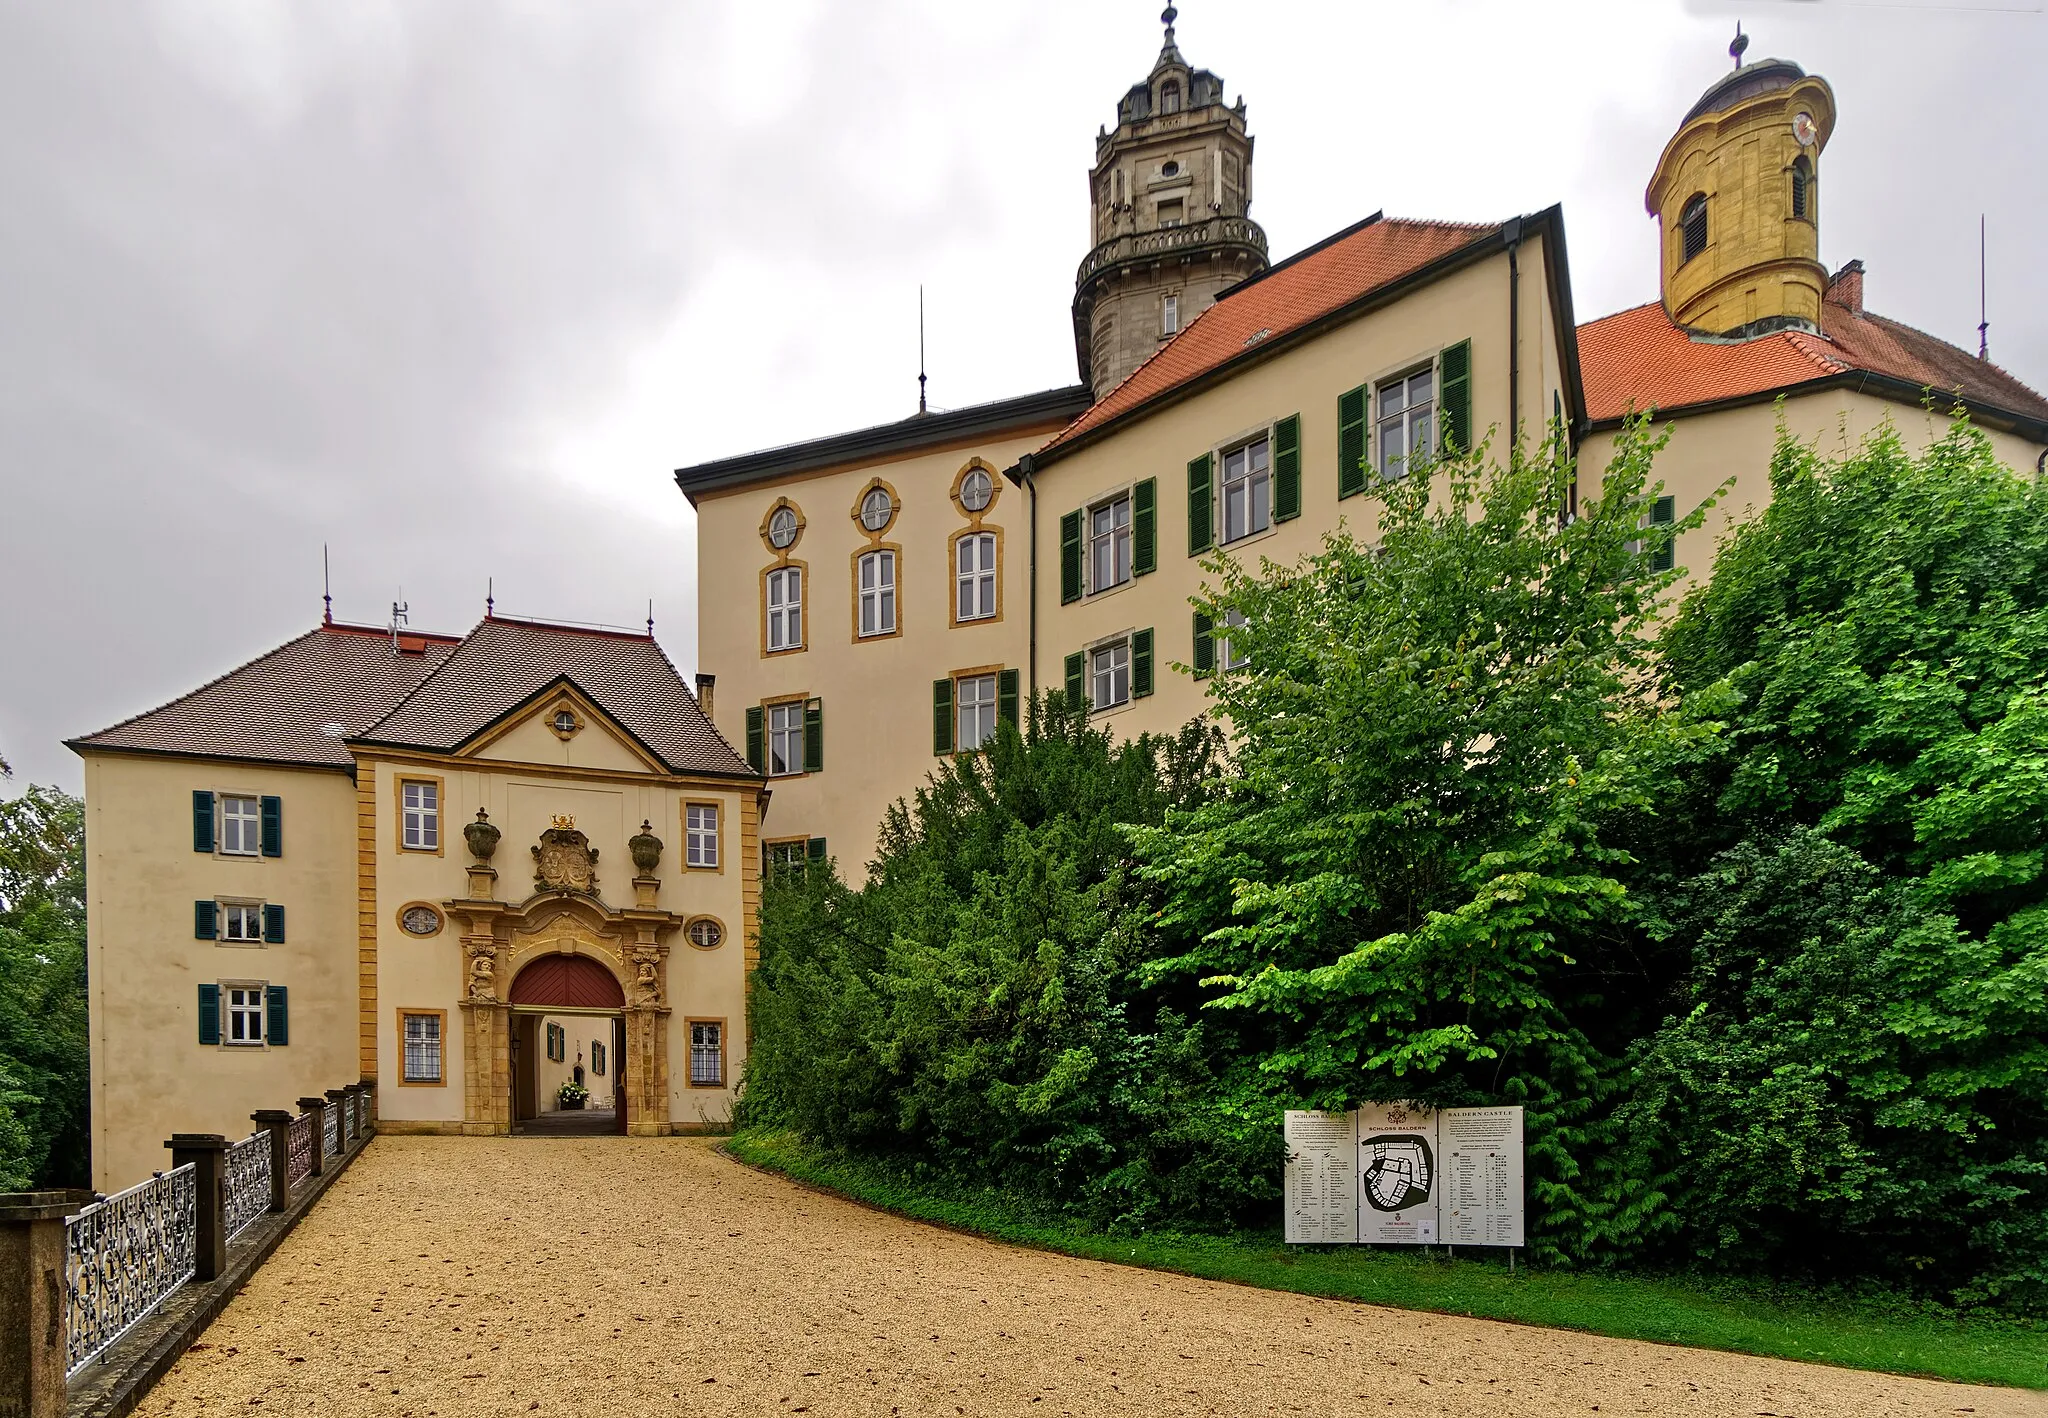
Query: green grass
{"type": "Point", "coordinates": [1895, 1337]}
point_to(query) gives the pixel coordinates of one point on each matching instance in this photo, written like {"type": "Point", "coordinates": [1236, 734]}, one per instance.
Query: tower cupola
{"type": "Point", "coordinates": [1737, 199]}
{"type": "Point", "coordinates": [1169, 202]}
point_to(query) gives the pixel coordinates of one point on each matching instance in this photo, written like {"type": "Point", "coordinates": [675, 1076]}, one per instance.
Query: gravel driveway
{"type": "Point", "coordinates": [630, 1276]}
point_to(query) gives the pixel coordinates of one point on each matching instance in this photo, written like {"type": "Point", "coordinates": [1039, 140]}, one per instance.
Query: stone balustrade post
{"type": "Point", "coordinates": [278, 1123]}
{"type": "Point", "coordinates": [316, 1109]}
{"type": "Point", "coordinates": [32, 1300]}
{"type": "Point", "coordinates": [208, 1151]}
{"type": "Point", "coordinates": [369, 1107]}
{"type": "Point", "coordinates": [338, 1099]}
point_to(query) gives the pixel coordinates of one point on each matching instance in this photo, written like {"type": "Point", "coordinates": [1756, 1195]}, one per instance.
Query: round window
{"type": "Point", "coordinates": [1171, 169]}
{"type": "Point", "coordinates": [706, 933]}
{"type": "Point", "coordinates": [876, 509]}
{"type": "Point", "coordinates": [565, 722]}
{"type": "Point", "coordinates": [976, 490]}
{"type": "Point", "coordinates": [782, 528]}
{"type": "Point", "coordinates": [421, 920]}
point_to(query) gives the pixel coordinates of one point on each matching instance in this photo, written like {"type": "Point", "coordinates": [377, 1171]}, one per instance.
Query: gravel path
{"type": "Point", "coordinates": [628, 1276]}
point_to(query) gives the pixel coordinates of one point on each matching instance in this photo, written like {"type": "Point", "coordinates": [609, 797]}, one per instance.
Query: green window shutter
{"type": "Point", "coordinates": [754, 738]}
{"type": "Point", "coordinates": [942, 716]}
{"type": "Point", "coordinates": [205, 920]}
{"type": "Point", "coordinates": [273, 827]}
{"type": "Point", "coordinates": [1070, 557]}
{"type": "Point", "coordinates": [1145, 527]}
{"type": "Point", "coordinates": [209, 1014]}
{"type": "Point", "coordinates": [1287, 468]}
{"type": "Point", "coordinates": [1663, 512]}
{"type": "Point", "coordinates": [1201, 535]}
{"type": "Point", "coordinates": [273, 925]}
{"type": "Point", "coordinates": [1006, 697]}
{"type": "Point", "coordinates": [1141, 663]}
{"type": "Point", "coordinates": [277, 1016]}
{"type": "Point", "coordinates": [814, 736]}
{"type": "Point", "coordinates": [202, 821]}
{"type": "Point", "coordinates": [815, 849]}
{"type": "Point", "coordinates": [1077, 675]}
{"type": "Point", "coordinates": [1454, 369]}
{"type": "Point", "coordinates": [1205, 643]}
{"type": "Point", "coordinates": [1351, 443]}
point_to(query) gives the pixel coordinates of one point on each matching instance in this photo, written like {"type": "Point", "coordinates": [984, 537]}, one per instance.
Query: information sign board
{"type": "Point", "coordinates": [1481, 1191]}
{"type": "Point", "coordinates": [1322, 1180]}
{"type": "Point", "coordinates": [1397, 1174]}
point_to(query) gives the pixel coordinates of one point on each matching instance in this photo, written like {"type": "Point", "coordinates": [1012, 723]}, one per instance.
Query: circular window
{"type": "Point", "coordinates": [565, 722]}
{"type": "Point", "coordinates": [876, 509]}
{"type": "Point", "coordinates": [706, 934]}
{"type": "Point", "coordinates": [420, 920]}
{"type": "Point", "coordinates": [782, 528]}
{"type": "Point", "coordinates": [976, 490]}
{"type": "Point", "coordinates": [1171, 169]}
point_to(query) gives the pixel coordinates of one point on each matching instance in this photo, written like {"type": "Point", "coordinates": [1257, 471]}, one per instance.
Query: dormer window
{"type": "Point", "coordinates": [1692, 226]}
{"type": "Point", "coordinates": [1172, 212]}
{"type": "Point", "coordinates": [1169, 97]}
{"type": "Point", "coordinates": [1802, 189]}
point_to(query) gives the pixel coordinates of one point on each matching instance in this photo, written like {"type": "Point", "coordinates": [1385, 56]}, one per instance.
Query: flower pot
{"type": "Point", "coordinates": [571, 1104]}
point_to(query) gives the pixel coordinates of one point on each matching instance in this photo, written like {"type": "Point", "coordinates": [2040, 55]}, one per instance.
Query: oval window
{"type": "Point", "coordinates": [705, 933]}
{"type": "Point", "coordinates": [420, 920]}
{"type": "Point", "coordinates": [876, 509]}
{"type": "Point", "coordinates": [782, 528]}
{"type": "Point", "coordinates": [1171, 169]}
{"type": "Point", "coordinates": [977, 490]}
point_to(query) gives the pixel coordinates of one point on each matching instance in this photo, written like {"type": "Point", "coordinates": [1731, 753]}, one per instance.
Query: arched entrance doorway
{"type": "Point", "coordinates": [567, 1026]}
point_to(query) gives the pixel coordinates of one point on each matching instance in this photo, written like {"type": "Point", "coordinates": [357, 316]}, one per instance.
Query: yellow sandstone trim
{"type": "Point", "coordinates": [750, 897]}
{"type": "Point", "coordinates": [366, 918]}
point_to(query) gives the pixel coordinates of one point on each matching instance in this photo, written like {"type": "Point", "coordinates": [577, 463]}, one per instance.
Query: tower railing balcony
{"type": "Point", "coordinates": [1139, 246]}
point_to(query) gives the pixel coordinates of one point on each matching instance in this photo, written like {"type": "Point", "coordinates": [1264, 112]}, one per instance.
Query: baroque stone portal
{"type": "Point", "coordinates": [564, 860]}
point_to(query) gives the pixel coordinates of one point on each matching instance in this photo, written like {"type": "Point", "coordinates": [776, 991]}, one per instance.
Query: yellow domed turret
{"type": "Point", "coordinates": [1737, 197]}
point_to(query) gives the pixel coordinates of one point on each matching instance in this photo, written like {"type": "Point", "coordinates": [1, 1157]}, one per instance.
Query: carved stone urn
{"type": "Point", "coordinates": [482, 836]}
{"type": "Point", "coordinates": [645, 847]}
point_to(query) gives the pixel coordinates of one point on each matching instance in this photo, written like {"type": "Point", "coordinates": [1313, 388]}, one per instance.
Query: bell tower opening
{"type": "Point", "coordinates": [1170, 200]}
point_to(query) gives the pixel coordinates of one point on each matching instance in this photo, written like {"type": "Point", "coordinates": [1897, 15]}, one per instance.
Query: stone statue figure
{"type": "Point", "coordinates": [482, 985]}
{"type": "Point", "coordinates": [646, 986]}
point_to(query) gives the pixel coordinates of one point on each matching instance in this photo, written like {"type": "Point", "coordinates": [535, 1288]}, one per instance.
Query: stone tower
{"type": "Point", "coordinates": [1168, 198]}
{"type": "Point", "coordinates": [1737, 198]}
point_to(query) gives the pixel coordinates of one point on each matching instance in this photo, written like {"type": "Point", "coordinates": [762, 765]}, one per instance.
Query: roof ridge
{"type": "Point", "coordinates": [1617, 314]}
{"type": "Point", "coordinates": [1887, 320]}
{"type": "Point", "coordinates": [249, 663]}
{"type": "Point", "coordinates": [405, 698]}
{"type": "Point", "coordinates": [1285, 262]}
{"type": "Point", "coordinates": [1802, 341]}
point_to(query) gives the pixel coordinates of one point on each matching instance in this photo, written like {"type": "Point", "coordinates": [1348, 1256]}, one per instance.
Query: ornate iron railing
{"type": "Point", "coordinates": [348, 1119]}
{"type": "Point", "coordinates": [125, 1256]}
{"type": "Point", "coordinates": [247, 1168]}
{"type": "Point", "coordinates": [331, 1126]}
{"type": "Point", "coordinates": [299, 1150]}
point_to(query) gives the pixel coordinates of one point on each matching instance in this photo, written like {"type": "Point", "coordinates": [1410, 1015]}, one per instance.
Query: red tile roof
{"type": "Point", "coordinates": [1638, 358]}
{"type": "Point", "coordinates": [1291, 295]}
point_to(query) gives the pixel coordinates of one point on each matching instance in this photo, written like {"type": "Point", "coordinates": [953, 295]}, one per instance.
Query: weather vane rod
{"type": "Point", "coordinates": [920, 349]}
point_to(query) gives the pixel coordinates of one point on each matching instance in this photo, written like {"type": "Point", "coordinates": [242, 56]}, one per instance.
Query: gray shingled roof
{"type": "Point", "coordinates": [280, 707]}
{"type": "Point", "coordinates": [503, 663]}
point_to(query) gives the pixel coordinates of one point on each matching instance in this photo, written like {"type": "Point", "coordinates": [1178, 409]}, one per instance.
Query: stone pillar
{"type": "Point", "coordinates": [645, 1096]}
{"type": "Point", "coordinates": [278, 1123]}
{"type": "Point", "coordinates": [32, 1299]}
{"type": "Point", "coordinates": [486, 1068]}
{"type": "Point", "coordinates": [317, 1108]}
{"type": "Point", "coordinates": [369, 1088]}
{"type": "Point", "coordinates": [208, 1151]}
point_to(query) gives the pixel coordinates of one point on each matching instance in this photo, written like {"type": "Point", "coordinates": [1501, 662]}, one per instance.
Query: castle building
{"type": "Point", "coordinates": [913, 584]}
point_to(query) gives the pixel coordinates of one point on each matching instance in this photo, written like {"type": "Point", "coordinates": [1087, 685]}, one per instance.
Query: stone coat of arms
{"type": "Point", "coordinates": [564, 860]}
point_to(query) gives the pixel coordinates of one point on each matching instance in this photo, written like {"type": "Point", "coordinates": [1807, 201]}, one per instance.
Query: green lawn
{"type": "Point", "coordinates": [1746, 1318]}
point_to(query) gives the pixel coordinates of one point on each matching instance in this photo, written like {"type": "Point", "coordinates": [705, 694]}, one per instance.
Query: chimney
{"type": "Point", "coordinates": [704, 684]}
{"type": "Point", "coordinates": [1845, 287]}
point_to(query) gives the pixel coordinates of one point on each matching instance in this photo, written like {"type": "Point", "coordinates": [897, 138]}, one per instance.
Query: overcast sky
{"type": "Point", "coordinates": [453, 287]}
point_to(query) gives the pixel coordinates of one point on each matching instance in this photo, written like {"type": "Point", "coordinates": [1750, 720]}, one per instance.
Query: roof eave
{"type": "Point", "coordinates": [1862, 381]}
{"type": "Point", "coordinates": [82, 747]}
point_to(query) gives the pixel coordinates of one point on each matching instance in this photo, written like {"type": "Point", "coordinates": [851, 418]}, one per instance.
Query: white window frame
{"type": "Point", "coordinates": [792, 855]}
{"type": "Point", "coordinates": [702, 1030]}
{"type": "Point", "coordinates": [419, 808]}
{"type": "Point", "coordinates": [974, 576]}
{"type": "Point", "coordinates": [1396, 429]}
{"type": "Point", "coordinates": [877, 591]}
{"type": "Point", "coordinates": [1227, 656]}
{"type": "Point", "coordinates": [436, 1043]}
{"type": "Point", "coordinates": [1250, 486]}
{"type": "Point", "coordinates": [244, 1006]}
{"type": "Point", "coordinates": [1113, 542]}
{"type": "Point", "coordinates": [1108, 665]}
{"type": "Point", "coordinates": [786, 732]}
{"type": "Point", "coordinates": [974, 712]}
{"type": "Point", "coordinates": [701, 834]}
{"type": "Point", "coordinates": [785, 608]}
{"type": "Point", "coordinates": [241, 833]}
{"type": "Point", "coordinates": [245, 912]}
{"type": "Point", "coordinates": [1169, 314]}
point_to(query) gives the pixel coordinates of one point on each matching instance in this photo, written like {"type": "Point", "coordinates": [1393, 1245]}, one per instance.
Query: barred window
{"type": "Point", "coordinates": [707, 1054]}
{"type": "Point", "coordinates": [422, 1048]}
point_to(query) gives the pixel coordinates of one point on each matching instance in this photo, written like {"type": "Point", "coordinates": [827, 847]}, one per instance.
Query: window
{"type": "Point", "coordinates": [1230, 653]}
{"type": "Point", "coordinates": [1406, 426]}
{"type": "Point", "coordinates": [1169, 315]}
{"type": "Point", "coordinates": [1171, 212]}
{"type": "Point", "coordinates": [420, 806]}
{"type": "Point", "coordinates": [785, 739]}
{"type": "Point", "coordinates": [558, 1043]}
{"type": "Point", "coordinates": [1663, 552]}
{"type": "Point", "coordinates": [1802, 189]}
{"type": "Point", "coordinates": [878, 592]}
{"type": "Point", "coordinates": [975, 576]}
{"type": "Point", "coordinates": [565, 723]}
{"type": "Point", "coordinates": [1109, 544]}
{"type": "Point", "coordinates": [241, 828]}
{"type": "Point", "coordinates": [1109, 670]}
{"type": "Point", "coordinates": [423, 1048]}
{"type": "Point", "coordinates": [244, 1014]}
{"type": "Point", "coordinates": [597, 1057]}
{"type": "Point", "coordinates": [707, 1054]}
{"type": "Point", "coordinates": [1692, 226]}
{"type": "Point", "coordinates": [1169, 97]}
{"type": "Point", "coordinates": [876, 508]}
{"type": "Point", "coordinates": [974, 700]}
{"type": "Point", "coordinates": [700, 831]}
{"type": "Point", "coordinates": [788, 856]}
{"type": "Point", "coordinates": [241, 920]}
{"type": "Point", "coordinates": [1169, 169]}
{"type": "Point", "coordinates": [782, 528]}
{"type": "Point", "coordinates": [707, 934]}
{"type": "Point", "coordinates": [1247, 490]}
{"type": "Point", "coordinates": [786, 608]}
{"type": "Point", "coordinates": [977, 490]}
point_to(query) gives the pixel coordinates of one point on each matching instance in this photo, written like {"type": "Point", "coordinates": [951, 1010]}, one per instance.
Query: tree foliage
{"type": "Point", "coordinates": [44, 1109]}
